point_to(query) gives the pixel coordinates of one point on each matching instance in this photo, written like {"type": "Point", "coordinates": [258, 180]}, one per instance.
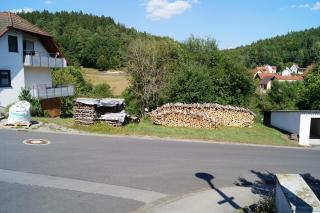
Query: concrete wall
{"type": "Point", "coordinates": [13, 62]}
{"type": "Point", "coordinates": [287, 121]}
{"type": "Point", "coordinates": [297, 122]}
{"type": "Point", "coordinates": [282, 204]}
{"type": "Point", "coordinates": [293, 195]}
{"type": "Point", "coordinates": [305, 126]}
{"type": "Point", "coordinates": [36, 76]}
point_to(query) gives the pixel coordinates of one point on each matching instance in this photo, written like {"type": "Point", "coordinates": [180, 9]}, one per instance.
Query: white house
{"type": "Point", "coordinates": [306, 124]}
{"type": "Point", "coordinates": [294, 70]}
{"type": "Point", "coordinates": [287, 72]}
{"type": "Point", "coordinates": [27, 55]}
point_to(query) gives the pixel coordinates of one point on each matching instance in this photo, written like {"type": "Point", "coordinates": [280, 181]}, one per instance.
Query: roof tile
{"type": "Point", "coordinates": [280, 77]}
{"type": "Point", "coordinates": [11, 20]}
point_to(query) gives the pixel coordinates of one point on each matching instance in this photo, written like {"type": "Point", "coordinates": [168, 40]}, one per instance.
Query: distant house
{"type": "Point", "coordinates": [293, 70]}
{"type": "Point", "coordinates": [267, 78]}
{"type": "Point", "coordinates": [286, 72]}
{"type": "Point", "coordinates": [265, 83]}
{"type": "Point", "coordinates": [27, 55]}
{"type": "Point", "coordinates": [265, 69]}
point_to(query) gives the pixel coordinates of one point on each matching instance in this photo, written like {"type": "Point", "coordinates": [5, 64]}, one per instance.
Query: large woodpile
{"type": "Point", "coordinates": [84, 114]}
{"type": "Point", "coordinates": [201, 116]}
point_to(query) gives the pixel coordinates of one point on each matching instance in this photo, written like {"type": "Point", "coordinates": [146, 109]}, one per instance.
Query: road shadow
{"type": "Point", "coordinates": [225, 199]}
{"type": "Point", "coordinates": [313, 182]}
{"type": "Point", "coordinates": [265, 183]}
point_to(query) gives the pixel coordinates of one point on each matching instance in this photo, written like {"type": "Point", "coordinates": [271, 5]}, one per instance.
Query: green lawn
{"type": "Point", "coordinates": [258, 134]}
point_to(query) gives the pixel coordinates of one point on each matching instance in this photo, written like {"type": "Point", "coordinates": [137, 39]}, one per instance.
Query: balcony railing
{"type": "Point", "coordinates": [48, 91]}
{"type": "Point", "coordinates": [35, 59]}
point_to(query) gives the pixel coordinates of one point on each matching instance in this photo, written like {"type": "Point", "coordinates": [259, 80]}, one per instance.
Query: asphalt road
{"type": "Point", "coordinates": [77, 173]}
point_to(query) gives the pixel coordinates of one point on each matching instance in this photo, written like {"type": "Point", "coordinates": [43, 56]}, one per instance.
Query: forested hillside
{"type": "Point", "coordinates": [99, 42]}
{"type": "Point", "coordinates": [87, 40]}
{"type": "Point", "coordinates": [296, 47]}
{"type": "Point", "coordinates": [195, 71]}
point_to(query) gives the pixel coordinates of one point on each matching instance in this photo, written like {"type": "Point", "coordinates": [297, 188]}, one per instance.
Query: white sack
{"type": "Point", "coordinates": [19, 113]}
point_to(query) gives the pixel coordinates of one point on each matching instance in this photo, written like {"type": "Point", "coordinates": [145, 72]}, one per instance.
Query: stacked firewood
{"type": "Point", "coordinates": [84, 114]}
{"type": "Point", "coordinates": [201, 116]}
{"type": "Point", "coordinates": [183, 118]}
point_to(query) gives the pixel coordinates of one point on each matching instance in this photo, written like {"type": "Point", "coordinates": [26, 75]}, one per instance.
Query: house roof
{"type": "Point", "coordinates": [289, 78]}
{"type": "Point", "coordinates": [10, 20]}
{"type": "Point", "coordinates": [265, 75]}
{"type": "Point", "coordinates": [271, 76]}
{"type": "Point", "coordinates": [301, 111]}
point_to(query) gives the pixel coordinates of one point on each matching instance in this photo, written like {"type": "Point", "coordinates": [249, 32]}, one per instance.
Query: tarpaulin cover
{"type": "Point", "coordinates": [114, 117]}
{"type": "Point", "coordinates": [88, 101]}
{"type": "Point", "coordinates": [111, 102]}
{"type": "Point", "coordinates": [107, 102]}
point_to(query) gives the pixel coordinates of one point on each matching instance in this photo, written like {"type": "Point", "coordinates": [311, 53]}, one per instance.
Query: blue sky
{"type": "Point", "coordinates": [230, 22]}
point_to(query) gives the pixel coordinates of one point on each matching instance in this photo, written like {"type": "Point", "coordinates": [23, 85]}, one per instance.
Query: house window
{"type": "Point", "coordinates": [13, 43]}
{"type": "Point", "coordinates": [5, 78]}
{"type": "Point", "coordinates": [28, 47]}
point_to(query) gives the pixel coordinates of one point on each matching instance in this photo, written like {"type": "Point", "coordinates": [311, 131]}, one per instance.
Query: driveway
{"type": "Point", "coordinates": [77, 173]}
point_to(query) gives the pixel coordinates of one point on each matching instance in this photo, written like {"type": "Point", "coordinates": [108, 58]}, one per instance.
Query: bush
{"type": "Point", "coordinates": [190, 84]}
{"type": "Point", "coordinates": [72, 75]}
{"type": "Point", "coordinates": [134, 106]}
{"type": "Point", "coordinates": [103, 63]}
{"type": "Point", "coordinates": [36, 109]}
{"type": "Point", "coordinates": [265, 205]}
{"type": "Point", "coordinates": [285, 95]}
{"type": "Point", "coordinates": [67, 106]}
{"type": "Point", "coordinates": [311, 95]}
{"type": "Point", "coordinates": [100, 91]}
{"type": "Point", "coordinates": [222, 84]}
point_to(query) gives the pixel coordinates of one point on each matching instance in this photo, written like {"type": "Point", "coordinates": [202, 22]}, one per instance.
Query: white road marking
{"type": "Point", "coordinates": [79, 186]}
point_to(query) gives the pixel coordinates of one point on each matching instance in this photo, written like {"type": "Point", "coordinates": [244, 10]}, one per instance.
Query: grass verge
{"type": "Point", "coordinates": [258, 134]}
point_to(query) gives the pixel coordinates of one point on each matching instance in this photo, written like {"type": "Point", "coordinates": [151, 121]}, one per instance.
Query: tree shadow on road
{"type": "Point", "coordinates": [313, 182]}
{"type": "Point", "coordinates": [264, 184]}
{"type": "Point", "coordinates": [266, 181]}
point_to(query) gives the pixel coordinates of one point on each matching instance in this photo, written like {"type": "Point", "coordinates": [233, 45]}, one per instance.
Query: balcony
{"type": "Point", "coordinates": [34, 59]}
{"type": "Point", "coordinates": [48, 91]}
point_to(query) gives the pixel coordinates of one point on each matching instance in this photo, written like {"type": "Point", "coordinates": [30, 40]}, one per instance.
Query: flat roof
{"type": "Point", "coordinates": [302, 111]}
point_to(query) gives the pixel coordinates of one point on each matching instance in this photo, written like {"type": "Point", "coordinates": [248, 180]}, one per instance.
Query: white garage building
{"type": "Point", "coordinates": [306, 124]}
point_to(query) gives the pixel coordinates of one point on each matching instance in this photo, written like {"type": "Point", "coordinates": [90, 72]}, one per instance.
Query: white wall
{"type": "Point", "coordinates": [20, 76]}
{"type": "Point", "coordinates": [38, 47]}
{"type": "Point", "coordinates": [37, 76]}
{"type": "Point", "coordinates": [297, 122]}
{"type": "Point", "coordinates": [288, 121]}
{"type": "Point", "coordinates": [13, 62]}
{"type": "Point", "coordinates": [305, 126]}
